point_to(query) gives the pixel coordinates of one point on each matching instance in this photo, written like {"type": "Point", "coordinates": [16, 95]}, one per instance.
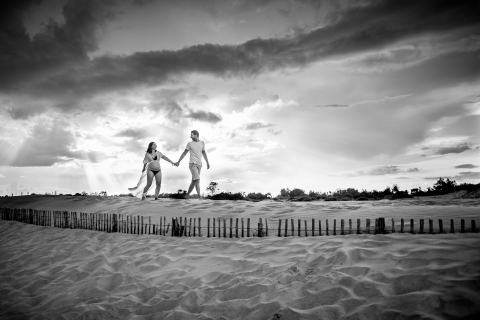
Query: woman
{"type": "Point", "coordinates": [151, 169]}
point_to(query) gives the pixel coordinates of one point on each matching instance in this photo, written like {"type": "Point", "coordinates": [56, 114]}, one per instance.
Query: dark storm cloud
{"type": "Point", "coordinates": [55, 48]}
{"type": "Point", "coordinates": [54, 63]}
{"type": "Point", "coordinates": [456, 149]}
{"type": "Point", "coordinates": [258, 125]}
{"type": "Point", "coordinates": [50, 144]}
{"type": "Point", "coordinates": [466, 166]}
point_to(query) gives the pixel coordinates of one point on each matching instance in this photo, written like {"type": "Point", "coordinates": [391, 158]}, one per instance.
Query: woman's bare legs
{"type": "Point", "coordinates": [149, 183]}
{"type": "Point", "coordinates": [158, 181]}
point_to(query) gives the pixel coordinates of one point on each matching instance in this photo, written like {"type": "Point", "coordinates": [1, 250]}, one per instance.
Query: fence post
{"type": "Point", "coordinates": [430, 226]}
{"type": "Point", "coordinates": [326, 226]}
{"type": "Point", "coordinates": [462, 226]}
{"type": "Point", "coordinates": [393, 226]}
{"type": "Point", "coordinates": [224, 228]}
{"type": "Point", "coordinates": [342, 225]}
{"type": "Point", "coordinates": [313, 227]}
{"type": "Point", "coordinates": [236, 228]}
{"type": "Point", "coordinates": [243, 228]}
{"type": "Point", "coordinates": [421, 226]}
{"type": "Point", "coordinates": [260, 227]}
{"type": "Point", "coordinates": [412, 226]}
{"type": "Point", "coordinates": [208, 227]}
{"type": "Point", "coordinates": [319, 227]}
{"type": "Point", "coordinates": [299, 226]}
{"type": "Point", "coordinates": [266, 228]}
{"type": "Point", "coordinates": [293, 227]}
{"type": "Point", "coordinates": [440, 225]}
{"type": "Point", "coordinates": [248, 227]}
{"type": "Point", "coordinates": [231, 227]}
{"type": "Point", "coordinates": [334, 227]}
{"type": "Point", "coordinates": [349, 226]}
{"type": "Point", "coordinates": [213, 227]}
{"type": "Point", "coordinates": [199, 227]}
{"type": "Point", "coordinates": [368, 226]}
{"type": "Point", "coordinates": [474, 226]}
{"type": "Point", "coordinates": [194, 226]}
{"type": "Point", "coordinates": [381, 225]}
{"type": "Point", "coordinates": [279, 227]}
{"type": "Point", "coordinates": [306, 230]}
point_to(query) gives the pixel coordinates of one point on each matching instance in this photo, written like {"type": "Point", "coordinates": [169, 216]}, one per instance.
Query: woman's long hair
{"type": "Point", "coordinates": [149, 149]}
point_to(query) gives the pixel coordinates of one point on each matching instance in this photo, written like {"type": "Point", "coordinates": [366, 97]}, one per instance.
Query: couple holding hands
{"type": "Point", "coordinates": [151, 167]}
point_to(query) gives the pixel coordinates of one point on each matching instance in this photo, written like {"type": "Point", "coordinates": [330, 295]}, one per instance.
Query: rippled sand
{"type": "Point", "coordinates": [51, 273]}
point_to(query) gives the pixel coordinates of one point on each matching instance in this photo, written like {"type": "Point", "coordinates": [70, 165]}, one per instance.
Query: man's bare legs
{"type": "Point", "coordinates": [196, 184]}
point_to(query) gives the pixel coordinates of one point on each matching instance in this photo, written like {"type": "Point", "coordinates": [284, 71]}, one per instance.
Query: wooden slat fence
{"type": "Point", "coordinates": [218, 227]}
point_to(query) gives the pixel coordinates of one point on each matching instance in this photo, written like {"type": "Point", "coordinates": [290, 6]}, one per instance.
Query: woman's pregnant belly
{"type": "Point", "coordinates": [154, 166]}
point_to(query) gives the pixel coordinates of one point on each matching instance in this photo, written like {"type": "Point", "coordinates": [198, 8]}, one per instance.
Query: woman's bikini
{"type": "Point", "coordinates": [157, 171]}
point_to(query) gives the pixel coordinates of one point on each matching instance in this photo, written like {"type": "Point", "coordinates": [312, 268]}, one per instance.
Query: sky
{"type": "Point", "coordinates": [316, 95]}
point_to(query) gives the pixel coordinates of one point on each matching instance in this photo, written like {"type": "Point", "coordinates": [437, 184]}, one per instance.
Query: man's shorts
{"type": "Point", "coordinates": [195, 170]}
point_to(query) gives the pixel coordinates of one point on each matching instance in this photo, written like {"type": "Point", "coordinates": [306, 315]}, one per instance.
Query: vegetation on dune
{"type": "Point", "coordinates": [440, 187]}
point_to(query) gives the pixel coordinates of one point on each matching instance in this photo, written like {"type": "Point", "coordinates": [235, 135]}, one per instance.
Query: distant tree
{"type": "Point", "coordinates": [395, 189]}
{"type": "Point", "coordinates": [84, 193]}
{"type": "Point", "coordinates": [387, 191]}
{"type": "Point", "coordinates": [296, 192]}
{"type": "Point", "coordinates": [444, 186]}
{"type": "Point", "coordinates": [284, 192]}
{"type": "Point", "coordinates": [212, 187]}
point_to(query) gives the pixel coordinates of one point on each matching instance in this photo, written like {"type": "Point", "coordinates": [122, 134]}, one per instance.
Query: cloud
{"type": "Point", "coordinates": [227, 180]}
{"type": "Point", "coordinates": [469, 175]}
{"type": "Point", "coordinates": [258, 125]}
{"type": "Point", "coordinates": [54, 64]}
{"type": "Point", "coordinates": [333, 106]}
{"type": "Point", "coordinates": [2, 176]}
{"type": "Point", "coordinates": [384, 99]}
{"type": "Point", "coordinates": [133, 133]}
{"type": "Point", "coordinates": [204, 116]}
{"type": "Point", "coordinates": [382, 170]}
{"type": "Point", "coordinates": [274, 132]}
{"type": "Point", "coordinates": [466, 166]}
{"type": "Point", "coordinates": [455, 149]}
{"type": "Point", "coordinates": [460, 176]}
{"type": "Point", "coordinates": [48, 144]}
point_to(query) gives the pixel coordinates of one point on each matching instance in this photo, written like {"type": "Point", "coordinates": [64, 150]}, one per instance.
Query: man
{"type": "Point", "coordinates": [197, 149]}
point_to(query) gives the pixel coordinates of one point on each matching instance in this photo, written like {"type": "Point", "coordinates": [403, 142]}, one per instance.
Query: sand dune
{"type": "Point", "coordinates": [51, 273]}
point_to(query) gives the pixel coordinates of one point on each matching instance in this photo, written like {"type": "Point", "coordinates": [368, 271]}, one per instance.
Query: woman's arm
{"type": "Point", "coordinates": [166, 159]}
{"type": "Point", "coordinates": [146, 160]}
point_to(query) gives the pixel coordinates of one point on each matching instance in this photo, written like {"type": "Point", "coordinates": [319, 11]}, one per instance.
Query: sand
{"type": "Point", "coordinates": [51, 273]}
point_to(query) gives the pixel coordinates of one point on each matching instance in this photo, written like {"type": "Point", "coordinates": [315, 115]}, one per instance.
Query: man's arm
{"type": "Point", "coordinates": [181, 157]}
{"type": "Point", "coordinates": [206, 158]}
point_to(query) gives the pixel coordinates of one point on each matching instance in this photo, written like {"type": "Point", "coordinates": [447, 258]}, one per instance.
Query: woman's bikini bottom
{"type": "Point", "coordinates": [155, 172]}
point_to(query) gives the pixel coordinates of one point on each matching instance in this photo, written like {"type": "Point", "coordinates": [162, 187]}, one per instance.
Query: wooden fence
{"type": "Point", "coordinates": [217, 227]}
